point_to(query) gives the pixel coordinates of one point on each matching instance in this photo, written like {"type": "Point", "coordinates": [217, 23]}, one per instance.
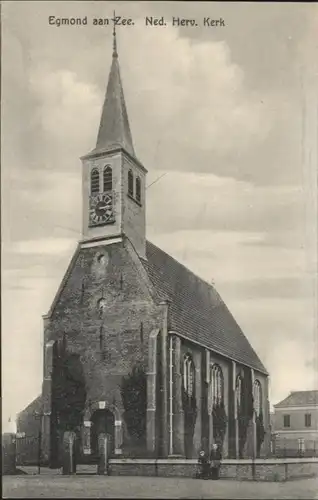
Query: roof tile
{"type": "Point", "coordinates": [299, 398]}
{"type": "Point", "coordinates": [197, 310]}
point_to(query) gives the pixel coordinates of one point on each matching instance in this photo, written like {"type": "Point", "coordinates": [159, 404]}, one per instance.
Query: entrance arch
{"type": "Point", "coordinates": [91, 419]}
{"type": "Point", "coordinates": [103, 422]}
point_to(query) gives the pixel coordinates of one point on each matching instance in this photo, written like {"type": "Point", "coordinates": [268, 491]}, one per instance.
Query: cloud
{"type": "Point", "coordinates": [297, 375]}
{"type": "Point", "coordinates": [224, 257]}
{"type": "Point", "coordinates": [49, 246]}
{"type": "Point", "coordinates": [274, 288]}
{"type": "Point", "coordinates": [205, 201]}
{"type": "Point", "coordinates": [200, 114]}
{"type": "Point", "coordinates": [66, 105]}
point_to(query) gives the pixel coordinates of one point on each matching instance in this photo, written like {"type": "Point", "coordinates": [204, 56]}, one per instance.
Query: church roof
{"type": "Point", "coordinates": [197, 311]}
{"type": "Point", "coordinates": [299, 398]}
{"type": "Point", "coordinates": [114, 130]}
{"type": "Point", "coordinates": [33, 407]}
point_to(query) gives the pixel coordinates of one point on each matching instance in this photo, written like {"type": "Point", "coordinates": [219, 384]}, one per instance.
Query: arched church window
{"type": "Point", "coordinates": [217, 384]}
{"type": "Point", "coordinates": [188, 375]}
{"type": "Point", "coordinates": [94, 181]}
{"type": "Point", "coordinates": [257, 397]}
{"type": "Point", "coordinates": [108, 178]}
{"type": "Point", "coordinates": [130, 183]}
{"type": "Point", "coordinates": [238, 391]}
{"type": "Point", "coordinates": [138, 189]}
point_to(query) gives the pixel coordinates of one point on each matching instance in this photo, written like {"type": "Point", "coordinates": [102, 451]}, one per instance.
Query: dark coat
{"type": "Point", "coordinates": [216, 457]}
{"type": "Point", "coordinates": [203, 459]}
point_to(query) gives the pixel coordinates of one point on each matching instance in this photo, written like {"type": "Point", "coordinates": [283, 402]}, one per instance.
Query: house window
{"type": "Point", "coordinates": [130, 183]}
{"type": "Point", "coordinates": [308, 420]}
{"type": "Point", "coordinates": [301, 445]}
{"type": "Point", "coordinates": [217, 385]}
{"type": "Point", "coordinates": [188, 375]}
{"type": "Point", "coordinates": [94, 181]}
{"type": "Point", "coordinates": [257, 397]}
{"type": "Point", "coordinates": [286, 420]}
{"type": "Point", "coordinates": [138, 189]}
{"type": "Point", "coordinates": [108, 178]}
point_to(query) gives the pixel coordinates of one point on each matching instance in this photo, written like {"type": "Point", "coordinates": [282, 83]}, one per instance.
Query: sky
{"type": "Point", "coordinates": [228, 114]}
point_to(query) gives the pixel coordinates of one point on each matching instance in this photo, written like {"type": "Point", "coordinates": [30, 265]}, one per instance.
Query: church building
{"type": "Point", "coordinates": [152, 355]}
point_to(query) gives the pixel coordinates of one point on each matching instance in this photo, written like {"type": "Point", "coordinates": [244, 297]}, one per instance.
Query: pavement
{"type": "Point", "coordinates": [85, 485]}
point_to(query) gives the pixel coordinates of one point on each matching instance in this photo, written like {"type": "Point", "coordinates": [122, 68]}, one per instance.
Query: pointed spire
{"type": "Point", "coordinates": [114, 130]}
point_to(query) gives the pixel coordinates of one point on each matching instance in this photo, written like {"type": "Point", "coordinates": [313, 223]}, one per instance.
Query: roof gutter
{"type": "Point", "coordinates": [173, 332]}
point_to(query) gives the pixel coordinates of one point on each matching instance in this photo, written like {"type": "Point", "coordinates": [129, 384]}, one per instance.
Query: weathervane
{"type": "Point", "coordinates": [114, 37]}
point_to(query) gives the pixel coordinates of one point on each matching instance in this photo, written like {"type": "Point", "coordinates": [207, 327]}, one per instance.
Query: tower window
{"type": "Point", "coordinates": [108, 178]}
{"type": "Point", "coordinates": [94, 181]}
{"type": "Point", "coordinates": [130, 183]}
{"type": "Point", "coordinates": [138, 189]}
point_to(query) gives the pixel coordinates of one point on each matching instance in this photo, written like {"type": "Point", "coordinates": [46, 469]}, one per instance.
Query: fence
{"type": "Point", "coordinates": [8, 453]}
{"type": "Point", "coordinates": [286, 448]}
{"type": "Point", "coordinates": [27, 450]}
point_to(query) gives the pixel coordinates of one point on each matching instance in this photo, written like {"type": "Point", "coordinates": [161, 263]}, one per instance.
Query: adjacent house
{"type": "Point", "coordinates": [295, 424]}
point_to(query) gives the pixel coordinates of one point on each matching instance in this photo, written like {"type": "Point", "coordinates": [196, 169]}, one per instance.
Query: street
{"type": "Point", "coordinates": [92, 486]}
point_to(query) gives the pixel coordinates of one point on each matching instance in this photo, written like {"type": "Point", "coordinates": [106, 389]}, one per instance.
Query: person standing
{"type": "Point", "coordinates": [215, 459]}
{"type": "Point", "coordinates": [204, 465]}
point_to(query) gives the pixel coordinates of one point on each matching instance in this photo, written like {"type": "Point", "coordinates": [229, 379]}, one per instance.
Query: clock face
{"type": "Point", "coordinates": [101, 209]}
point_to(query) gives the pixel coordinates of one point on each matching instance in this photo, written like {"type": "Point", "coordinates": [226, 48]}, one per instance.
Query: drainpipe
{"type": "Point", "coordinates": [170, 398]}
{"type": "Point", "coordinates": [165, 376]}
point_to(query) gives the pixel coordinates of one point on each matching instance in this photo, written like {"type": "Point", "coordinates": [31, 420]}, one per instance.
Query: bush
{"type": "Point", "coordinates": [219, 422]}
{"type": "Point", "coordinates": [134, 395]}
{"type": "Point", "coordinates": [245, 410]}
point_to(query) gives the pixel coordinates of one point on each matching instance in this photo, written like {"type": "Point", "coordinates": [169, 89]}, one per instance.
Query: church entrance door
{"type": "Point", "coordinates": [103, 422]}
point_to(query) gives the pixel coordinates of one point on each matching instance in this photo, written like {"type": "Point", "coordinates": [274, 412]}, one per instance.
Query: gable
{"type": "Point", "coordinates": [84, 274]}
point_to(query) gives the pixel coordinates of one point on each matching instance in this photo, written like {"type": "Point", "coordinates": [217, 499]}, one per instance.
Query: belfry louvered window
{"type": "Point", "coordinates": [108, 178]}
{"type": "Point", "coordinates": [94, 181]}
{"type": "Point", "coordinates": [130, 183]}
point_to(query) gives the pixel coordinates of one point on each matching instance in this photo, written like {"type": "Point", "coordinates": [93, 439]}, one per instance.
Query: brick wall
{"type": "Point", "coordinates": [28, 421]}
{"type": "Point", "coordinates": [111, 340]}
{"type": "Point", "coordinates": [134, 213]}
{"type": "Point", "coordinates": [115, 161]}
{"type": "Point", "coordinates": [243, 470]}
{"type": "Point", "coordinates": [201, 433]}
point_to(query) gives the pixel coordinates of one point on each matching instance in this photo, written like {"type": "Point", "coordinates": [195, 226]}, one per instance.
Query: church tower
{"type": "Point", "coordinates": [113, 180]}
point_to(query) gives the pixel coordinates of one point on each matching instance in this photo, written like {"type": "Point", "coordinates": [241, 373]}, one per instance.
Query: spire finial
{"type": "Point", "coordinates": [114, 38]}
